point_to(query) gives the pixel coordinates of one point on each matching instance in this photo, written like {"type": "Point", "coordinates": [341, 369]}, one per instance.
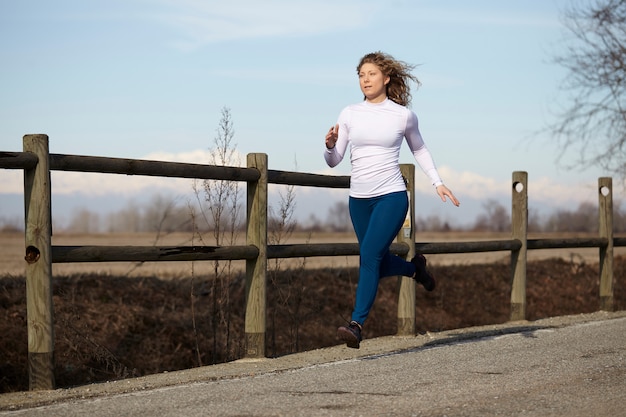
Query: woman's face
{"type": "Point", "coordinates": [373, 83]}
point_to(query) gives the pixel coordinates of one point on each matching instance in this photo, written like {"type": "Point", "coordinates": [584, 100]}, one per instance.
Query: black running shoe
{"type": "Point", "coordinates": [422, 275]}
{"type": "Point", "coordinates": [350, 334]}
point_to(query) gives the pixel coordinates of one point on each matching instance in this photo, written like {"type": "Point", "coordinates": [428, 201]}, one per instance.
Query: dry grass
{"type": "Point", "coordinates": [113, 325]}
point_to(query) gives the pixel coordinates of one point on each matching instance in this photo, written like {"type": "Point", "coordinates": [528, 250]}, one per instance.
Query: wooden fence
{"type": "Point", "coordinates": [37, 162]}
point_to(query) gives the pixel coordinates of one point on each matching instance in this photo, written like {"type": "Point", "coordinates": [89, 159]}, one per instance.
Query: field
{"type": "Point", "coordinates": [12, 254]}
{"type": "Point", "coordinates": [120, 320]}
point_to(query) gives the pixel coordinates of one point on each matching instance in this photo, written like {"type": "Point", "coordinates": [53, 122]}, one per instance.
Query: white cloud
{"type": "Point", "coordinates": [198, 156]}
{"type": "Point", "coordinates": [65, 183]}
{"type": "Point", "coordinates": [11, 181]}
{"type": "Point", "coordinates": [543, 190]}
{"type": "Point", "coordinates": [559, 194]}
{"type": "Point", "coordinates": [469, 183]}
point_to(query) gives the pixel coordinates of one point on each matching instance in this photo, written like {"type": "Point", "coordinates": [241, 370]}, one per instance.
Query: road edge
{"type": "Point", "coordinates": [245, 368]}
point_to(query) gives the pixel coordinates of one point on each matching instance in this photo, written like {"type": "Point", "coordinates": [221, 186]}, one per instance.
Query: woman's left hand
{"type": "Point", "coordinates": [444, 191]}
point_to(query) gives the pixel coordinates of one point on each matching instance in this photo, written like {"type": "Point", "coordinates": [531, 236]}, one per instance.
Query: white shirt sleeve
{"type": "Point", "coordinates": [420, 151]}
{"type": "Point", "coordinates": [335, 155]}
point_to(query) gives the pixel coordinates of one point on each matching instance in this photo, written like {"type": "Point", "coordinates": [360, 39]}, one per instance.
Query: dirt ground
{"type": "Point", "coordinates": [111, 325]}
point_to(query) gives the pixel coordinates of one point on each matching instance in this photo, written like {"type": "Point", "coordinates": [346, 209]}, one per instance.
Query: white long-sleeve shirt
{"type": "Point", "coordinates": [375, 132]}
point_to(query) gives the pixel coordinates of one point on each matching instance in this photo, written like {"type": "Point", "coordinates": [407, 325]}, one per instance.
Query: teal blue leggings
{"type": "Point", "coordinates": [377, 222]}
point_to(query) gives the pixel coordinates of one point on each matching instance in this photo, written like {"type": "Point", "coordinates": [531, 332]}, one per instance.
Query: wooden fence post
{"type": "Point", "coordinates": [406, 295]}
{"type": "Point", "coordinates": [38, 222]}
{"type": "Point", "coordinates": [519, 231]}
{"type": "Point", "coordinates": [605, 195]}
{"type": "Point", "coordinates": [256, 269]}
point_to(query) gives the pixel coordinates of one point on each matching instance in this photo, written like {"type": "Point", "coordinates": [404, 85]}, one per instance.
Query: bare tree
{"type": "Point", "coordinates": [593, 123]}
{"type": "Point", "coordinates": [619, 219]}
{"type": "Point", "coordinates": [495, 219]}
{"type": "Point", "coordinates": [313, 223]}
{"type": "Point", "coordinates": [534, 222]}
{"type": "Point", "coordinates": [280, 228]}
{"type": "Point", "coordinates": [84, 221]}
{"type": "Point", "coordinates": [287, 294]}
{"type": "Point", "coordinates": [584, 219]}
{"type": "Point", "coordinates": [126, 220]}
{"type": "Point", "coordinates": [221, 210]}
{"type": "Point", "coordinates": [163, 216]}
{"type": "Point", "coordinates": [339, 217]}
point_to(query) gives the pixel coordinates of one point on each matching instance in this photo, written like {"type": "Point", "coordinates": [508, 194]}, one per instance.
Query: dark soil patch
{"type": "Point", "coordinates": [110, 328]}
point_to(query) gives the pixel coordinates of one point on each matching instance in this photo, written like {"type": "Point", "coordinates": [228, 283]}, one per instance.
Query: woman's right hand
{"type": "Point", "coordinates": [331, 136]}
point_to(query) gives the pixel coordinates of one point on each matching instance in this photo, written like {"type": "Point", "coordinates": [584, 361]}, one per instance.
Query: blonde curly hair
{"type": "Point", "coordinates": [399, 73]}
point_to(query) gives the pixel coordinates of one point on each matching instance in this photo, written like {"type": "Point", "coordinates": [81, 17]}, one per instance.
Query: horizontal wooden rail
{"type": "Point", "coordinates": [597, 242]}
{"type": "Point", "coordinates": [317, 249]}
{"type": "Point", "coordinates": [18, 160]}
{"type": "Point", "coordinates": [325, 249]}
{"type": "Point", "coordinates": [68, 254]}
{"type": "Point", "coordinates": [99, 164]}
{"type": "Point", "coordinates": [305, 179]}
{"type": "Point", "coordinates": [463, 247]}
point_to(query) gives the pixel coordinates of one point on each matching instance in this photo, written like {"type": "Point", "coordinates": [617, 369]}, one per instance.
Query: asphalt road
{"type": "Point", "coordinates": [569, 366]}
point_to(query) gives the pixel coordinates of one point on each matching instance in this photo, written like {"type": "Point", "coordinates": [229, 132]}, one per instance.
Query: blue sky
{"type": "Point", "coordinates": [147, 79]}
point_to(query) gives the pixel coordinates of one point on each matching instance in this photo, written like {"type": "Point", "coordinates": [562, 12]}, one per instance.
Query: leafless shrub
{"type": "Point", "coordinates": [220, 208]}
